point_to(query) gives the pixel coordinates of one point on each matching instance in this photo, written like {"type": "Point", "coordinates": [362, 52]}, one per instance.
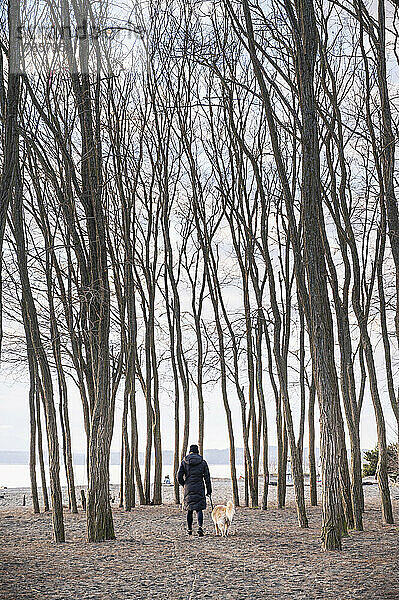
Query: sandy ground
{"type": "Point", "coordinates": [266, 555]}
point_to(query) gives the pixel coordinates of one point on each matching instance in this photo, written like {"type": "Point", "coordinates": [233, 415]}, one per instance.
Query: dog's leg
{"type": "Point", "coordinates": [216, 529]}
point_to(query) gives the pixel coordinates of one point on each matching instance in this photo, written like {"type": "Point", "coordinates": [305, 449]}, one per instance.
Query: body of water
{"type": "Point", "coordinates": [17, 476]}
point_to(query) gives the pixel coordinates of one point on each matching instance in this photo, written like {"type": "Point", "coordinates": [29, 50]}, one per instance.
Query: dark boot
{"type": "Point", "coordinates": [190, 531]}
{"type": "Point", "coordinates": [200, 532]}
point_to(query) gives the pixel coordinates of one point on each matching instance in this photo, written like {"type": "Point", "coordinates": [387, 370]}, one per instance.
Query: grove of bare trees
{"type": "Point", "coordinates": [200, 199]}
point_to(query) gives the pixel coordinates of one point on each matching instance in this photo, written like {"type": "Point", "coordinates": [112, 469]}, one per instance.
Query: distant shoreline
{"type": "Point", "coordinates": [213, 456]}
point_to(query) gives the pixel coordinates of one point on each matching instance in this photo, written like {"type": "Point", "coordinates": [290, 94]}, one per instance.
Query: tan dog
{"type": "Point", "coordinates": [222, 517]}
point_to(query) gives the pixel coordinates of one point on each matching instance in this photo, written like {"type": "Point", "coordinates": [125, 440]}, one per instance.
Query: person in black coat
{"type": "Point", "coordinates": [192, 474]}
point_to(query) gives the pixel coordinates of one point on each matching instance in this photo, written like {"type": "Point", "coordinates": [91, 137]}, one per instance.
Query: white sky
{"type": "Point", "coordinates": [14, 420]}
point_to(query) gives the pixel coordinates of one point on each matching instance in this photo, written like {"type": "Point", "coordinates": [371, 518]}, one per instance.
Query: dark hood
{"type": "Point", "coordinates": [193, 459]}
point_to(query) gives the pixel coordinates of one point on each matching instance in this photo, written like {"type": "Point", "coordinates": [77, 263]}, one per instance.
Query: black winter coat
{"type": "Point", "coordinates": [192, 473]}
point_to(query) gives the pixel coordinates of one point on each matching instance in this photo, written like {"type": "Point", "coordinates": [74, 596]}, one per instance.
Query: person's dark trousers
{"type": "Point", "coordinates": [190, 517]}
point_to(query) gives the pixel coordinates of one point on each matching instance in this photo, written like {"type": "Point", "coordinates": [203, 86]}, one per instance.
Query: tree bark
{"type": "Point", "coordinates": [321, 326]}
{"type": "Point", "coordinates": [32, 445]}
{"type": "Point", "coordinates": [10, 169]}
{"type": "Point", "coordinates": [46, 503]}
{"type": "Point", "coordinates": [312, 457]}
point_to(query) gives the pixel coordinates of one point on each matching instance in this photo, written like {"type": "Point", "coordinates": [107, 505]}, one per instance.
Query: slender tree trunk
{"type": "Point", "coordinates": [10, 169]}
{"type": "Point", "coordinates": [131, 369]}
{"type": "Point", "coordinates": [46, 504]}
{"type": "Point", "coordinates": [348, 522]}
{"type": "Point", "coordinates": [199, 385]}
{"type": "Point", "coordinates": [254, 488]}
{"type": "Point", "coordinates": [157, 497]}
{"type": "Point", "coordinates": [176, 453]}
{"type": "Point", "coordinates": [321, 327]}
{"type": "Point", "coordinates": [262, 409]}
{"type": "Point", "coordinates": [312, 457]}
{"type": "Point", "coordinates": [278, 410]}
{"type": "Point", "coordinates": [127, 496]}
{"type": "Point", "coordinates": [32, 446]}
{"type": "Point", "coordinates": [244, 254]}
{"type": "Point", "coordinates": [282, 458]}
{"type": "Point", "coordinates": [186, 406]}
{"type": "Point", "coordinates": [62, 424]}
{"type": "Point", "coordinates": [384, 328]}
{"type": "Point", "coordinates": [301, 379]}
{"type": "Point", "coordinates": [69, 459]}
{"type": "Point", "coordinates": [149, 420]}
{"type": "Point", "coordinates": [135, 462]}
{"type": "Point", "coordinates": [178, 352]}
{"type": "Point", "coordinates": [122, 473]}
{"type": "Point", "coordinates": [246, 482]}
{"type": "Point", "coordinates": [176, 462]}
{"type": "Point", "coordinates": [388, 148]}
{"type": "Point", "coordinates": [196, 307]}
{"type": "Point", "coordinates": [62, 389]}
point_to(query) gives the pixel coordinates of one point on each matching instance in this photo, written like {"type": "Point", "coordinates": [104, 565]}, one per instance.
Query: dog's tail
{"type": "Point", "coordinates": [230, 510]}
